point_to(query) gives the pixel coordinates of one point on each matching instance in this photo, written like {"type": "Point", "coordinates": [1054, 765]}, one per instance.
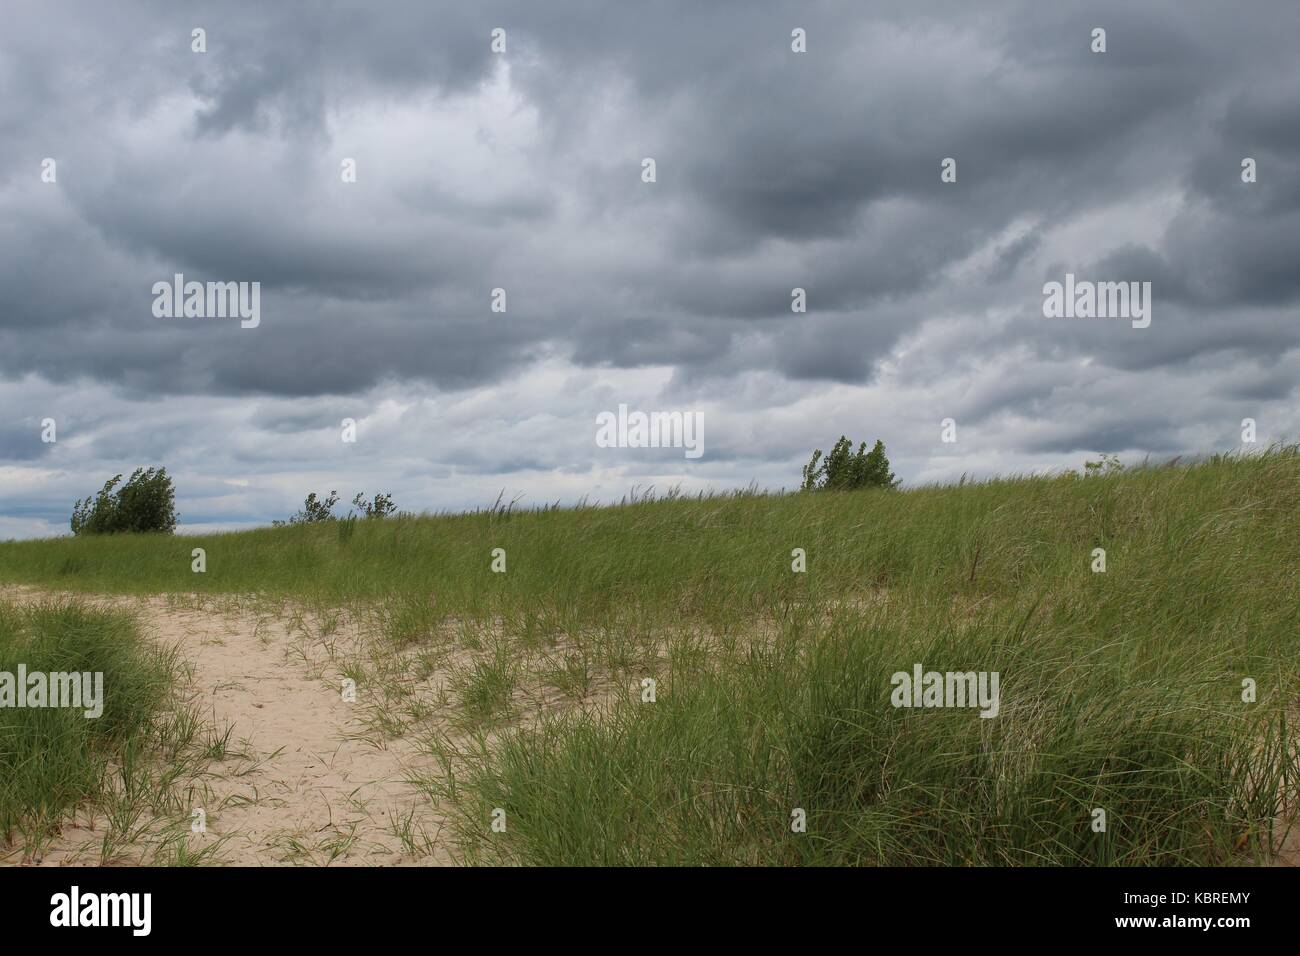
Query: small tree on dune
{"type": "Point", "coordinates": [316, 510]}
{"type": "Point", "coordinates": [146, 503]}
{"type": "Point", "coordinates": [846, 470]}
{"type": "Point", "coordinates": [381, 507]}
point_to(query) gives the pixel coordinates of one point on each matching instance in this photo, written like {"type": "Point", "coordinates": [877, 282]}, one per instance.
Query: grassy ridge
{"type": "Point", "coordinates": [1121, 691]}
{"type": "Point", "coordinates": [726, 558]}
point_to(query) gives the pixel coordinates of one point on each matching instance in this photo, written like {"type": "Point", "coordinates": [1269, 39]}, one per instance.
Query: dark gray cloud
{"type": "Point", "coordinates": [775, 170]}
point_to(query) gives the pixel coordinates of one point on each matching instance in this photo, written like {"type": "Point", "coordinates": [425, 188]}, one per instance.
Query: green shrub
{"type": "Point", "coordinates": [147, 502]}
{"type": "Point", "coordinates": [317, 510]}
{"type": "Point", "coordinates": [314, 510]}
{"type": "Point", "coordinates": [845, 470]}
{"type": "Point", "coordinates": [381, 507]}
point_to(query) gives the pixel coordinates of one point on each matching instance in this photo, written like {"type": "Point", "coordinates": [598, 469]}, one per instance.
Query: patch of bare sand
{"type": "Point", "coordinates": [301, 787]}
{"type": "Point", "coordinates": [1289, 853]}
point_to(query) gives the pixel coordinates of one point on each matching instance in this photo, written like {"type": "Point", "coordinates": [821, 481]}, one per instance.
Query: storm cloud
{"type": "Point", "coordinates": [522, 170]}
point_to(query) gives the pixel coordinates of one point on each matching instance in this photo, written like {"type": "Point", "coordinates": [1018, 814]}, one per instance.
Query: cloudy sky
{"type": "Point", "coordinates": [523, 170]}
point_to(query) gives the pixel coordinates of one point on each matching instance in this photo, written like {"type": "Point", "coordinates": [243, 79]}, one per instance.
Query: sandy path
{"type": "Point", "coordinates": [320, 790]}
{"type": "Point", "coordinates": [302, 789]}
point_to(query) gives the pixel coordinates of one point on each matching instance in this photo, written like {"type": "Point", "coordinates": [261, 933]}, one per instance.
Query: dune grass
{"type": "Point", "coordinates": [718, 558]}
{"type": "Point", "coordinates": [54, 760]}
{"type": "Point", "coordinates": [1121, 692]}
{"type": "Point", "coordinates": [715, 769]}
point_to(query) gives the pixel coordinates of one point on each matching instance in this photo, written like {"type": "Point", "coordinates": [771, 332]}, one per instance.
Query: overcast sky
{"type": "Point", "coordinates": [523, 170]}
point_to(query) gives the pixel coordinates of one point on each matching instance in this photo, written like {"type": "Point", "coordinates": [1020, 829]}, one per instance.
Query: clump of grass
{"type": "Point", "coordinates": [415, 839]}
{"type": "Point", "coordinates": [573, 675]}
{"type": "Point", "coordinates": [485, 688]}
{"type": "Point", "coordinates": [409, 619]}
{"type": "Point", "coordinates": [712, 771]}
{"type": "Point", "coordinates": [347, 527]}
{"type": "Point", "coordinates": [54, 760]}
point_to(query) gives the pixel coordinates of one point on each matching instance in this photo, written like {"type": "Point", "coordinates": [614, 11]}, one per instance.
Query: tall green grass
{"type": "Point", "coordinates": [54, 760]}
{"type": "Point", "coordinates": [712, 771]}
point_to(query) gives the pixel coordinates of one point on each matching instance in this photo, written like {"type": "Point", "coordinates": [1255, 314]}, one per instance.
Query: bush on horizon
{"type": "Point", "coordinates": [147, 502]}
{"type": "Point", "coordinates": [317, 510]}
{"type": "Point", "coordinates": [846, 470]}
